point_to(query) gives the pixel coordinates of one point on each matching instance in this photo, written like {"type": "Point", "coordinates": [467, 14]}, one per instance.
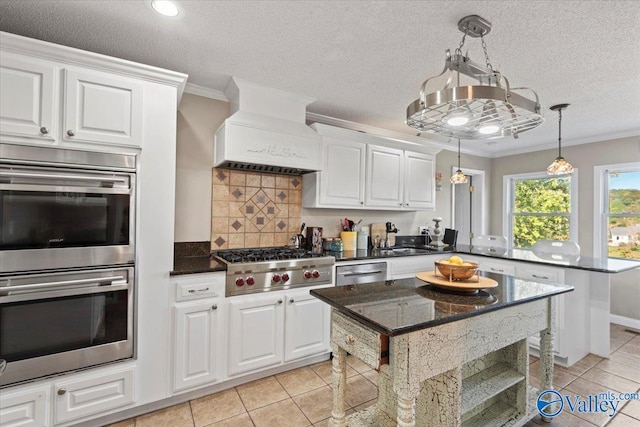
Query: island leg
{"type": "Point", "coordinates": [339, 379]}
{"type": "Point", "coordinates": [546, 355]}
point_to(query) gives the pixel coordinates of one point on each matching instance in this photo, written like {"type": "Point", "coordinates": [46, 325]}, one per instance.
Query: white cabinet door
{"type": "Point", "coordinates": [80, 398]}
{"type": "Point", "coordinates": [196, 341]}
{"type": "Point", "coordinates": [256, 333]}
{"type": "Point", "coordinates": [385, 175]}
{"type": "Point", "coordinates": [419, 181]}
{"type": "Point", "coordinates": [102, 108]}
{"type": "Point", "coordinates": [25, 408]}
{"type": "Point", "coordinates": [307, 326]}
{"type": "Point", "coordinates": [28, 96]}
{"type": "Point", "coordinates": [343, 174]}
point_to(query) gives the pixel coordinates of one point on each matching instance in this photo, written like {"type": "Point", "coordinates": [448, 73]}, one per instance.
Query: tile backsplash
{"type": "Point", "coordinates": [250, 210]}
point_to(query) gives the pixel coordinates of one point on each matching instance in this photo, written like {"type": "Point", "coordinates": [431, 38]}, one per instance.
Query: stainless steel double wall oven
{"type": "Point", "coordinates": [67, 258]}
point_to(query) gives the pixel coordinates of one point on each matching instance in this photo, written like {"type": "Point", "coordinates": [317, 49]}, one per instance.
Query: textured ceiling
{"type": "Point", "coordinates": [364, 61]}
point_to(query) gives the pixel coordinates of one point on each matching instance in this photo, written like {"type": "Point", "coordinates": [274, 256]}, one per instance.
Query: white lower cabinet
{"type": "Point", "coordinates": [197, 340]}
{"type": "Point", "coordinates": [307, 326]}
{"type": "Point", "coordinates": [269, 330]}
{"type": "Point", "coordinates": [74, 399]}
{"type": "Point", "coordinates": [548, 275]}
{"type": "Point", "coordinates": [256, 333]}
{"type": "Point", "coordinates": [198, 330]}
{"type": "Point", "coordinates": [25, 408]}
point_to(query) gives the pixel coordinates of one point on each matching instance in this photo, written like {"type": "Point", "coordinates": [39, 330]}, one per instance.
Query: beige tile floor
{"type": "Point", "coordinates": [302, 397]}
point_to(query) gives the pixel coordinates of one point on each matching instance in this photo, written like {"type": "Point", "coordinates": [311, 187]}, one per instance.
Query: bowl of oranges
{"type": "Point", "coordinates": [455, 268]}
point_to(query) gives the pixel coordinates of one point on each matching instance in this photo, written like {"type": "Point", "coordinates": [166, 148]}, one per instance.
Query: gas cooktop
{"type": "Point", "coordinates": [264, 254]}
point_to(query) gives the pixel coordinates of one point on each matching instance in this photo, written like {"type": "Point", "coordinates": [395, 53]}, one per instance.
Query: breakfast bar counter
{"type": "Point", "coordinates": [444, 358]}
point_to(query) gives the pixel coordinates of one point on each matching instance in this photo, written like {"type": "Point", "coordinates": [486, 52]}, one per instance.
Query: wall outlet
{"type": "Point", "coordinates": [422, 229]}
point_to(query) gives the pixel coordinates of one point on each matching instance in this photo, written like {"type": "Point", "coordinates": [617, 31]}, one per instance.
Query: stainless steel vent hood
{"type": "Point", "coordinates": [266, 132]}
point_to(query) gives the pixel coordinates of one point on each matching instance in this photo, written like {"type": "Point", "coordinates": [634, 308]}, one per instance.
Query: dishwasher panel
{"type": "Point", "coordinates": [355, 274]}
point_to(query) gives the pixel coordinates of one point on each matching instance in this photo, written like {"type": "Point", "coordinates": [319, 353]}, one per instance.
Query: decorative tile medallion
{"type": "Point", "coordinates": [252, 209]}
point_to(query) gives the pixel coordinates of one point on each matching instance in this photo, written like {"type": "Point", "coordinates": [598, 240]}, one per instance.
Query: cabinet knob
{"type": "Point", "coordinates": [71, 133]}
{"type": "Point", "coordinates": [350, 340]}
{"type": "Point", "coordinates": [279, 301]}
{"type": "Point", "coordinates": [44, 130]}
{"type": "Point", "coordinates": [62, 391]}
{"type": "Point", "coordinates": [400, 204]}
{"type": "Point", "coordinates": [361, 202]}
{"type": "Point", "coordinates": [214, 307]}
{"type": "Point", "coordinates": [291, 301]}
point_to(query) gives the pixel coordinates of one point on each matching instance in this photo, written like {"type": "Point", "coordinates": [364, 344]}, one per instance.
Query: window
{"type": "Point", "coordinates": [540, 207]}
{"type": "Point", "coordinates": [617, 211]}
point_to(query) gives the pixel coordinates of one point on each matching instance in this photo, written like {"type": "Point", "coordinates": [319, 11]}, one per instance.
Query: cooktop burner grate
{"type": "Point", "coordinates": [265, 254]}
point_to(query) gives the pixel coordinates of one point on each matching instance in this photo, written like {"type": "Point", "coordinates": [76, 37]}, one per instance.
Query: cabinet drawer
{"type": "Point", "coordinates": [497, 267]}
{"type": "Point", "coordinates": [541, 274]}
{"type": "Point", "coordinates": [26, 408]}
{"type": "Point", "coordinates": [209, 285]}
{"type": "Point", "coordinates": [369, 346]}
{"type": "Point", "coordinates": [80, 398]}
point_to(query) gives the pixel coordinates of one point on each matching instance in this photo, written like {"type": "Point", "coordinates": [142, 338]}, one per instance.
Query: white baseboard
{"type": "Point", "coordinates": [625, 321]}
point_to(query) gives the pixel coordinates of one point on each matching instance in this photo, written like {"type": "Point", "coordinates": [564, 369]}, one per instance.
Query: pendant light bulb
{"type": "Point", "coordinates": [459, 177]}
{"type": "Point", "coordinates": [559, 166]}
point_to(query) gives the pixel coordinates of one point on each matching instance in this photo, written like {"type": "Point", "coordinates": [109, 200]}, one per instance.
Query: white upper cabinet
{"type": "Point", "coordinates": [27, 101]}
{"type": "Point", "coordinates": [343, 171]}
{"type": "Point", "coordinates": [102, 108]}
{"type": "Point", "coordinates": [362, 171]}
{"type": "Point", "coordinates": [50, 103]}
{"type": "Point", "coordinates": [419, 181]}
{"type": "Point", "coordinates": [385, 181]}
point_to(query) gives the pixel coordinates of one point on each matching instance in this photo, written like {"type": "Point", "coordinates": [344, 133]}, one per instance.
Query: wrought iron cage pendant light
{"type": "Point", "coordinates": [559, 166]}
{"type": "Point", "coordinates": [459, 177]}
{"type": "Point", "coordinates": [489, 109]}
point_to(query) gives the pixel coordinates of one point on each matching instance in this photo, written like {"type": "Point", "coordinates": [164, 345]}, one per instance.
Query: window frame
{"type": "Point", "coordinates": [601, 204]}
{"type": "Point", "coordinates": [508, 203]}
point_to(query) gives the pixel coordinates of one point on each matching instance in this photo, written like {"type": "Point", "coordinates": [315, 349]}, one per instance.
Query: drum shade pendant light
{"type": "Point", "coordinates": [459, 177]}
{"type": "Point", "coordinates": [559, 166]}
{"type": "Point", "coordinates": [490, 108]}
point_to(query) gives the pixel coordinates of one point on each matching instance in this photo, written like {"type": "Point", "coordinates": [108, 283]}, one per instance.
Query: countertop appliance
{"type": "Point", "coordinates": [273, 269]}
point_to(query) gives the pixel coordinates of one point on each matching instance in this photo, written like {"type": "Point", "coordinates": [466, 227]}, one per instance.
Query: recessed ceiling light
{"type": "Point", "coordinates": [166, 8]}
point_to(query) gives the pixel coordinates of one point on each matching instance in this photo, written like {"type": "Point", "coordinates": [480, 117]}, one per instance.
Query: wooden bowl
{"type": "Point", "coordinates": [457, 272]}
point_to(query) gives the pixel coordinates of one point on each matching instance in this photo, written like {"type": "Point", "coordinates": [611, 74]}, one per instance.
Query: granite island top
{"type": "Point", "coordinates": [397, 307]}
{"type": "Point", "coordinates": [602, 265]}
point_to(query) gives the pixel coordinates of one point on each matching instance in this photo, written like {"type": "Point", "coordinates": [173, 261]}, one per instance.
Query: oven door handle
{"type": "Point", "coordinates": [68, 177]}
{"type": "Point", "coordinates": [101, 281]}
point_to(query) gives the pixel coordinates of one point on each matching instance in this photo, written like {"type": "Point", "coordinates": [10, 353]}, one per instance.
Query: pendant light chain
{"type": "Point", "coordinates": [486, 54]}
{"type": "Point", "coordinates": [464, 36]}
{"type": "Point", "coordinates": [560, 132]}
{"type": "Point", "coordinates": [458, 153]}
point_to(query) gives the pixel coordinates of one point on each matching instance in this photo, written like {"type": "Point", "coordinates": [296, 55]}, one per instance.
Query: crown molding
{"type": "Point", "coordinates": [205, 92]}
{"type": "Point", "coordinates": [72, 56]}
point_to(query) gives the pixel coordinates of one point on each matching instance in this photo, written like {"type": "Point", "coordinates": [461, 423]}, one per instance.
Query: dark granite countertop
{"type": "Point", "coordinates": [194, 257]}
{"type": "Point", "coordinates": [602, 265]}
{"type": "Point", "coordinates": [196, 264]}
{"type": "Point", "coordinates": [397, 307]}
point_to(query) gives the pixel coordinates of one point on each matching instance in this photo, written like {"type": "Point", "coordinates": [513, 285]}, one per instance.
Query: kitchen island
{"type": "Point", "coordinates": [444, 358]}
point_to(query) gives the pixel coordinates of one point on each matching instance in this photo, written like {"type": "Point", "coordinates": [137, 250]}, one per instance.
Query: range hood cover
{"type": "Point", "coordinates": [266, 132]}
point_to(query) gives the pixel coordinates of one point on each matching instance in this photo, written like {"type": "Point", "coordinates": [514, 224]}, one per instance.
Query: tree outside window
{"type": "Point", "coordinates": [622, 214]}
{"type": "Point", "coordinates": [539, 207]}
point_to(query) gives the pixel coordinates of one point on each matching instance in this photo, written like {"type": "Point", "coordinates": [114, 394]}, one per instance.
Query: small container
{"type": "Point", "coordinates": [336, 245]}
{"type": "Point", "coordinates": [363, 240]}
{"type": "Point", "coordinates": [348, 240]}
{"type": "Point", "coordinates": [326, 243]}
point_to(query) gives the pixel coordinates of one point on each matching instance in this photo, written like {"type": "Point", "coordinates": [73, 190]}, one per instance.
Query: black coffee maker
{"type": "Point", "coordinates": [450, 237]}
